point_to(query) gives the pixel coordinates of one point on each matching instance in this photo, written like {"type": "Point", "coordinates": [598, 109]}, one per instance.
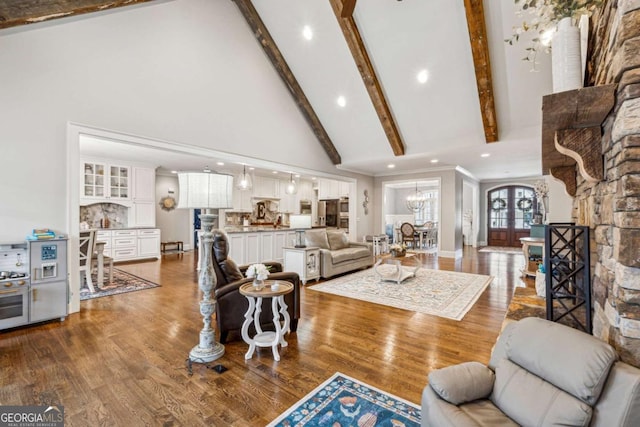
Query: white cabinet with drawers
{"type": "Point", "coordinates": [130, 244]}
{"type": "Point", "coordinates": [148, 243]}
{"type": "Point", "coordinates": [124, 245]}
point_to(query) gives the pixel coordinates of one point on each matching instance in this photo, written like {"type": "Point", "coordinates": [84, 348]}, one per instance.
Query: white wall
{"type": "Point", "coordinates": [174, 225]}
{"type": "Point", "coordinates": [187, 71]}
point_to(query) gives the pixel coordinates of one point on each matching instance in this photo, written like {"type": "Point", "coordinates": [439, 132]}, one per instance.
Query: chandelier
{"type": "Point", "coordinates": [243, 181]}
{"type": "Point", "coordinates": [416, 201]}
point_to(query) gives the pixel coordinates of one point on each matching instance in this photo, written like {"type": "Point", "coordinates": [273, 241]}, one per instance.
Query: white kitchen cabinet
{"type": "Point", "coordinates": [130, 244]}
{"type": "Point", "coordinates": [144, 184]}
{"type": "Point", "coordinates": [279, 242]}
{"type": "Point", "coordinates": [259, 246]}
{"type": "Point", "coordinates": [266, 246]}
{"type": "Point", "coordinates": [241, 201]}
{"type": "Point", "coordinates": [287, 201]}
{"type": "Point", "coordinates": [105, 236]}
{"type": "Point", "coordinates": [142, 214]}
{"type": "Point", "coordinates": [264, 187]}
{"type": "Point", "coordinates": [148, 243]}
{"type": "Point", "coordinates": [101, 181]}
{"type": "Point", "coordinates": [237, 247]}
{"type": "Point", "coordinates": [343, 189]}
{"type": "Point", "coordinates": [125, 245]}
{"type": "Point", "coordinates": [253, 248]}
{"type": "Point", "coordinates": [332, 189]}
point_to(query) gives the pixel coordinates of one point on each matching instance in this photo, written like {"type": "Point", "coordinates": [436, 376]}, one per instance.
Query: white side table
{"type": "Point", "coordinates": [527, 243]}
{"type": "Point", "coordinates": [268, 338]}
{"type": "Point", "coordinates": [304, 261]}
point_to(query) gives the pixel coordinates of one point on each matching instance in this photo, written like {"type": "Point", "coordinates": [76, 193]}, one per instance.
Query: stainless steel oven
{"type": "Point", "coordinates": [344, 222]}
{"type": "Point", "coordinates": [343, 205]}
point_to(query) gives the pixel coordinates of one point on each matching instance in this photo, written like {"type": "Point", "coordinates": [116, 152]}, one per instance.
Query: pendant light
{"type": "Point", "coordinates": [416, 201]}
{"type": "Point", "coordinates": [292, 188]}
{"type": "Point", "coordinates": [243, 180]}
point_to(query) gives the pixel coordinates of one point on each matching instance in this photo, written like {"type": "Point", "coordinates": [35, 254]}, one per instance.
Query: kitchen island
{"type": "Point", "coordinates": [248, 245]}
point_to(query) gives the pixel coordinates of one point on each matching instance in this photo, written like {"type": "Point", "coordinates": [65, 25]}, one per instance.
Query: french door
{"type": "Point", "coordinates": [510, 210]}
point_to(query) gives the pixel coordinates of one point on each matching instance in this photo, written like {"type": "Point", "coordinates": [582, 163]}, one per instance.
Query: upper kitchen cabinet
{"type": "Point", "coordinates": [267, 188]}
{"type": "Point", "coordinates": [143, 212]}
{"type": "Point", "coordinates": [332, 189]}
{"type": "Point", "coordinates": [101, 181]}
{"type": "Point", "coordinates": [144, 180]}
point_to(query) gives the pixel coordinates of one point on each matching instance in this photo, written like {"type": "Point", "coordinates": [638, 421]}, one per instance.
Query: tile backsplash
{"type": "Point", "coordinates": [92, 215]}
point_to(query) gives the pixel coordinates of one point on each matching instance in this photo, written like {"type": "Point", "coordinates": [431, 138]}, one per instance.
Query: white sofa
{"type": "Point", "coordinates": [337, 254]}
{"type": "Point", "coordinates": [541, 373]}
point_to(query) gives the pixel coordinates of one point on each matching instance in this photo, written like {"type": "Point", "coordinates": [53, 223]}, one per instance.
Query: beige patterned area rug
{"type": "Point", "coordinates": [440, 293]}
{"type": "Point", "coordinates": [501, 250]}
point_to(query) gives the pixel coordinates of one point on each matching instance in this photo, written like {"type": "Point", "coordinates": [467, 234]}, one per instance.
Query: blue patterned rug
{"type": "Point", "coordinates": [122, 282]}
{"type": "Point", "coordinates": [342, 401]}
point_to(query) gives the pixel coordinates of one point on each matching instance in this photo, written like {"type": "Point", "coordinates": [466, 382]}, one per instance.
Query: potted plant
{"type": "Point", "coordinates": [259, 272]}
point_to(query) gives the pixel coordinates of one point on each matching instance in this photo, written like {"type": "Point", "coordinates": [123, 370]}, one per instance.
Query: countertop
{"type": "Point", "coordinates": [120, 228]}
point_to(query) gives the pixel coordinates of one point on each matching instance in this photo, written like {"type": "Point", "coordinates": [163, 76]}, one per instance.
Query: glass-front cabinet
{"type": "Point", "coordinates": [104, 181]}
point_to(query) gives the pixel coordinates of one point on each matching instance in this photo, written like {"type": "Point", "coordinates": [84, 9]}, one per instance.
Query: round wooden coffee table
{"type": "Point", "coordinates": [266, 338]}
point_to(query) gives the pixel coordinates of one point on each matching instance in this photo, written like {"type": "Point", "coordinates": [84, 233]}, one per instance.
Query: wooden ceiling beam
{"type": "Point", "coordinates": [371, 81]}
{"type": "Point", "coordinates": [348, 6]}
{"type": "Point", "coordinates": [277, 59]}
{"type": "Point", "coordinates": [480, 51]}
{"type": "Point", "coordinates": [21, 12]}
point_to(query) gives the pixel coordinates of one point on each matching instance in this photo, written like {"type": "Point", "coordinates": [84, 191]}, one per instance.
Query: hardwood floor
{"type": "Point", "coordinates": [121, 360]}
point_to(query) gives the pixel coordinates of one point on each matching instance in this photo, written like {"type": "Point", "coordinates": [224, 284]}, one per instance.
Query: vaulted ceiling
{"type": "Point", "coordinates": [423, 83]}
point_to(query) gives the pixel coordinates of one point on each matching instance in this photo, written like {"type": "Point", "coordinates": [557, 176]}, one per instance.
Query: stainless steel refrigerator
{"type": "Point", "coordinates": [328, 213]}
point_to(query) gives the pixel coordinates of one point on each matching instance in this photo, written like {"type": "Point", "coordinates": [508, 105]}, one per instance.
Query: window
{"type": "Point", "coordinates": [431, 208]}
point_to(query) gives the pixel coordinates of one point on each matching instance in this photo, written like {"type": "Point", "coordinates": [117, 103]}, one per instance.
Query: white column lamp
{"type": "Point", "coordinates": [206, 191]}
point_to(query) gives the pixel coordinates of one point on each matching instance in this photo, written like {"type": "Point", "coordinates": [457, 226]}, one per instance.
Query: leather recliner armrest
{"type": "Point", "coordinates": [466, 382]}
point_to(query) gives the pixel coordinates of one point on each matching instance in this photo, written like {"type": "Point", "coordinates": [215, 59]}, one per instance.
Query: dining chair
{"type": "Point", "coordinates": [98, 249]}
{"type": "Point", "coordinates": [86, 252]}
{"type": "Point", "coordinates": [409, 234]}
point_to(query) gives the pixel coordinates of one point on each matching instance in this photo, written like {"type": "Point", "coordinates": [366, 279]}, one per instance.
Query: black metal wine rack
{"type": "Point", "coordinates": [568, 274]}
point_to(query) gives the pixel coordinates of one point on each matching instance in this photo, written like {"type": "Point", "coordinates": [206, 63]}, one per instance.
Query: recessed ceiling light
{"type": "Point", "coordinates": [251, 168]}
{"type": "Point", "coordinates": [307, 32]}
{"type": "Point", "coordinates": [297, 175]}
{"type": "Point", "coordinates": [220, 163]}
{"type": "Point", "coordinates": [485, 155]}
{"type": "Point", "coordinates": [391, 166]}
{"type": "Point", "coordinates": [434, 160]}
{"type": "Point", "coordinates": [342, 101]}
{"type": "Point", "coordinates": [174, 171]}
{"type": "Point", "coordinates": [313, 178]}
{"type": "Point", "coordinates": [274, 172]}
{"type": "Point", "coordinates": [422, 76]}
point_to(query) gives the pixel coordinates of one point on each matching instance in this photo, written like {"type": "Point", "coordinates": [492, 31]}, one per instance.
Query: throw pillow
{"type": "Point", "coordinates": [466, 382]}
{"type": "Point", "coordinates": [337, 240]}
{"type": "Point", "coordinates": [317, 238]}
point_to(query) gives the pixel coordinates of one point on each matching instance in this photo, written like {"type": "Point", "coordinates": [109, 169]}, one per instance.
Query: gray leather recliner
{"type": "Point", "coordinates": [541, 373]}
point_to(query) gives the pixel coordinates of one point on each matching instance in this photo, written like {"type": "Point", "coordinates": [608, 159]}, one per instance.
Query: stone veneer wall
{"type": "Point", "coordinates": [612, 207]}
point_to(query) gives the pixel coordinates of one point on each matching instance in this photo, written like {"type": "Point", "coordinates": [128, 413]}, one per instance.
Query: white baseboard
{"type": "Point", "coordinates": [450, 254]}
